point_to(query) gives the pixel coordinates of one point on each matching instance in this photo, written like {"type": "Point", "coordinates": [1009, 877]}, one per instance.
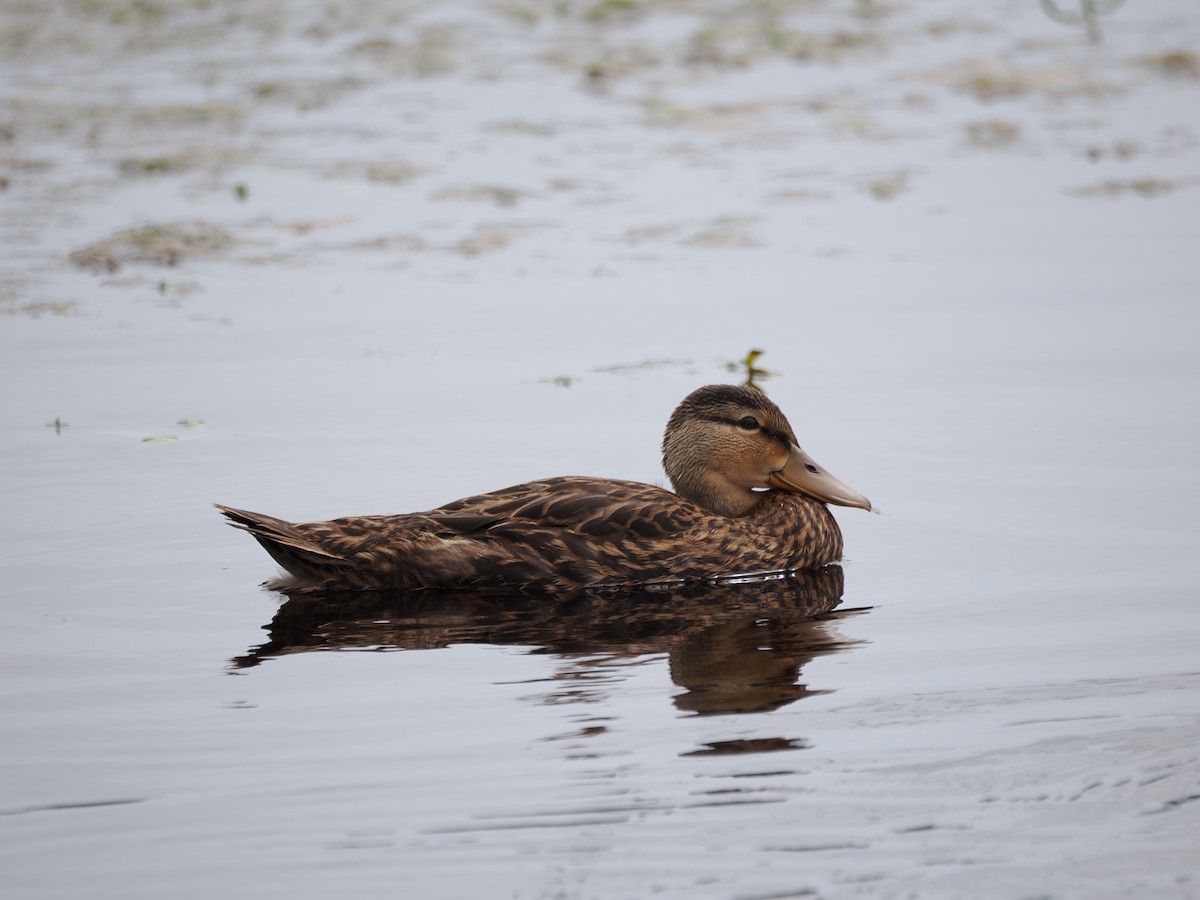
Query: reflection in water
{"type": "Point", "coordinates": [733, 647]}
{"type": "Point", "coordinates": [1088, 14]}
{"type": "Point", "coordinates": [748, 745]}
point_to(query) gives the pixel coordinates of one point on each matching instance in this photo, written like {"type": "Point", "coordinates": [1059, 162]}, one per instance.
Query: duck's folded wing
{"type": "Point", "coordinates": [595, 509]}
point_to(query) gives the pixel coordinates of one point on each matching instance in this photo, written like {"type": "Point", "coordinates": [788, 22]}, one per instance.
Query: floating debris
{"type": "Point", "coordinates": [644, 366]}
{"type": "Point", "coordinates": [488, 193]}
{"type": "Point", "coordinates": [1174, 63]}
{"type": "Point", "coordinates": [38, 308]}
{"type": "Point", "coordinates": [485, 240]}
{"type": "Point", "coordinates": [166, 244]}
{"type": "Point", "coordinates": [606, 10]}
{"type": "Point", "coordinates": [1120, 150]}
{"type": "Point", "coordinates": [889, 187]}
{"type": "Point", "coordinates": [393, 172]}
{"type": "Point", "coordinates": [155, 165]}
{"type": "Point", "coordinates": [993, 134]}
{"type": "Point", "coordinates": [1143, 187]}
{"type": "Point", "coordinates": [743, 41]}
{"type": "Point", "coordinates": [728, 231]}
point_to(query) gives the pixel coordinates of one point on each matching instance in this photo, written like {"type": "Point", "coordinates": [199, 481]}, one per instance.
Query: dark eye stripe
{"type": "Point", "coordinates": [764, 430]}
{"type": "Point", "coordinates": [777, 436]}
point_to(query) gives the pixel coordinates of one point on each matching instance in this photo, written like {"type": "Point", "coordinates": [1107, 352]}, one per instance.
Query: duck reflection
{"type": "Point", "coordinates": [733, 647]}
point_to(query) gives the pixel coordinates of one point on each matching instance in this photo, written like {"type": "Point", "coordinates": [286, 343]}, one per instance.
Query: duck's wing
{"type": "Point", "coordinates": [594, 508]}
{"type": "Point", "coordinates": [563, 530]}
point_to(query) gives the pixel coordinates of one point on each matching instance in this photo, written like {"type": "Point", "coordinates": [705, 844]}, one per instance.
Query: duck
{"type": "Point", "coordinates": [747, 500]}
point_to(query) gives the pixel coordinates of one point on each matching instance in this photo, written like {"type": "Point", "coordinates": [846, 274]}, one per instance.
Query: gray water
{"type": "Point", "coordinates": [464, 245]}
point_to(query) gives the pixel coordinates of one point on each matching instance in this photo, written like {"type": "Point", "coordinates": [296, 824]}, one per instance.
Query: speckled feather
{"type": "Point", "coordinates": [571, 532]}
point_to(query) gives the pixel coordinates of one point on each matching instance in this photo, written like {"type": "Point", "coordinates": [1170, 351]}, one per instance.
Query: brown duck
{"type": "Point", "coordinates": [747, 500]}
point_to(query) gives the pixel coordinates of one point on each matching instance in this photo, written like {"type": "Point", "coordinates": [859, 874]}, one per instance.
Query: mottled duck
{"type": "Point", "coordinates": [747, 500]}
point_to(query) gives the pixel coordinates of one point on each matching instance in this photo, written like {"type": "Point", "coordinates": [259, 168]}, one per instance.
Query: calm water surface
{"type": "Point", "coordinates": [474, 247]}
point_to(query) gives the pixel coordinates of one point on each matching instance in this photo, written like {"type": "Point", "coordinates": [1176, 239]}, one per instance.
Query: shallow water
{"type": "Point", "coordinates": [477, 247]}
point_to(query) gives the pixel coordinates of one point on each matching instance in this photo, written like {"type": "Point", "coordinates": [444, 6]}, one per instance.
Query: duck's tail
{"type": "Point", "coordinates": [304, 558]}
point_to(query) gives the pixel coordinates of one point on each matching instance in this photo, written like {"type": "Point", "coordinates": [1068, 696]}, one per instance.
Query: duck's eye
{"type": "Point", "coordinates": [749, 423]}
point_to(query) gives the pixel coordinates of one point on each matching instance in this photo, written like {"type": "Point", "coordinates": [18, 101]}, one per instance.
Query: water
{"type": "Point", "coordinates": [989, 332]}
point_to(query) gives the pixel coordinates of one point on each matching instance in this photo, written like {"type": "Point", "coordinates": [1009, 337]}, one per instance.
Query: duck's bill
{"type": "Point", "coordinates": [802, 475]}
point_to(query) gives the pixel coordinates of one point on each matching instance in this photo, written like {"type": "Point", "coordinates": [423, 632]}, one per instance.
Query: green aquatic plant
{"type": "Point", "coordinates": [752, 371]}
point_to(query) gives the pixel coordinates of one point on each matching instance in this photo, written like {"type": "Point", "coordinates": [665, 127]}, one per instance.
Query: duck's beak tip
{"type": "Point", "coordinates": [802, 475]}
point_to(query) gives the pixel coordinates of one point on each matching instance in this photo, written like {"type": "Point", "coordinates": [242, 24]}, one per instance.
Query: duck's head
{"type": "Point", "coordinates": [724, 444]}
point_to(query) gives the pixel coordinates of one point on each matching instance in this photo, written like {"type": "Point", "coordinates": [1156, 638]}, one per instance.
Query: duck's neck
{"type": "Point", "coordinates": [715, 493]}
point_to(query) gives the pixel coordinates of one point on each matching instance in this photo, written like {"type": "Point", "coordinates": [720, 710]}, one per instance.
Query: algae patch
{"type": "Point", "coordinates": [1141, 187]}
{"type": "Point", "coordinates": [992, 134]}
{"type": "Point", "coordinates": [163, 244]}
{"type": "Point", "coordinates": [154, 165]}
{"type": "Point", "coordinates": [498, 195]}
{"type": "Point", "coordinates": [888, 187]}
{"type": "Point", "coordinates": [1174, 63]}
{"type": "Point", "coordinates": [393, 172]}
{"type": "Point", "coordinates": [727, 231]}
{"type": "Point", "coordinates": [485, 239]}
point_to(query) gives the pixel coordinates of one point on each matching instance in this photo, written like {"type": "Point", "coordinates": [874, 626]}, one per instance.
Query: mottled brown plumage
{"type": "Point", "coordinates": [724, 447]}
